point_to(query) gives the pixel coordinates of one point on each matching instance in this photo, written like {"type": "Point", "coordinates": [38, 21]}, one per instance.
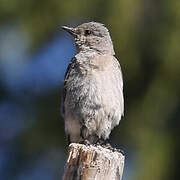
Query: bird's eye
{"type": "Point", "coordinates": [87, 32]}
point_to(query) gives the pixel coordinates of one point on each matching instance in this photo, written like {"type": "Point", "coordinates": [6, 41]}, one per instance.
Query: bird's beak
{"type": "Point", "coordinates": [69, 30]}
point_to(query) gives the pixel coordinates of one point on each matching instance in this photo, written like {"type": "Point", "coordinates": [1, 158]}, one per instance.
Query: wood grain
{"type": "Point", "coordinates": [89, 162]}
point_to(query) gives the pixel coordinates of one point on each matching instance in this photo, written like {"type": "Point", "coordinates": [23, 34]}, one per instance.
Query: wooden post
{"type": "Point", "coordinates": [89, 162]}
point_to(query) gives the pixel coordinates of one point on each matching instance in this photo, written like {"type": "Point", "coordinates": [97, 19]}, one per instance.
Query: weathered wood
{"type": "Point", "coordinates": [89, 162]}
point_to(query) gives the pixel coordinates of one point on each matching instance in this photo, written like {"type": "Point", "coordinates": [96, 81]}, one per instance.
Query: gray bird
{"type": "Point", "coordinates": [93, 100]}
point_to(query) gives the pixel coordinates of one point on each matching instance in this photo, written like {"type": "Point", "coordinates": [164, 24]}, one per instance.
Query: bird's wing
{"type": "Point", "coordinates": [120, 74]}
{"type": "Point", "coordinates": [66, 77]}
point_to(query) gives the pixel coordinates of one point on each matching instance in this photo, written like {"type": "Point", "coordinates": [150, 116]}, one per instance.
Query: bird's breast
{"type": "Point", "coordinates": [95, 63]}
{"type": "Point", "coordinates": [94, 83]}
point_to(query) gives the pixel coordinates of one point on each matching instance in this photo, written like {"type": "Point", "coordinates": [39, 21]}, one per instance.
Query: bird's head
{"type": "Point", "coordinates": [91, 36]}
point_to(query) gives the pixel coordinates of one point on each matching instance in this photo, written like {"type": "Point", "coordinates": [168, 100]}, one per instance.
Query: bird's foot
{"type": "Point", "coordinates": [108, 146]}
{"type": "Point", "coordinates": [86, 142]}
{"type": "Point", "coordinates": [121, 151]}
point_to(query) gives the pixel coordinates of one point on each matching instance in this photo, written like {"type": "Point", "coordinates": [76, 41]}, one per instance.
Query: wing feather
{"type": "Point", "coordinates": [66, 77]}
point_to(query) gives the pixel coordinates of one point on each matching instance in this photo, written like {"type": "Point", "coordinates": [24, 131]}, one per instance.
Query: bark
{"type": "Point", "coordinates": [89, 162]}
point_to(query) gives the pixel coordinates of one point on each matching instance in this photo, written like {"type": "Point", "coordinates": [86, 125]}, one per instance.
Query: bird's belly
{"type": "Point", "coordinates": [94, 101]}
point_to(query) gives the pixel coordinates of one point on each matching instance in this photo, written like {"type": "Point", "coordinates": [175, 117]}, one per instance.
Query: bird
{"type": "Point", "coordinates": [92, 102]}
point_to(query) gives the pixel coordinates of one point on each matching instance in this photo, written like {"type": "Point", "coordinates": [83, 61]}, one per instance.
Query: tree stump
{"type": "Point", "coordinates": [93, 162]}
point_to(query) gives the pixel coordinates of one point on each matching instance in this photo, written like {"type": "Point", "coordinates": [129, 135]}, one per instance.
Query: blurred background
{"type": "Point", "coordinates": [34, 54]}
